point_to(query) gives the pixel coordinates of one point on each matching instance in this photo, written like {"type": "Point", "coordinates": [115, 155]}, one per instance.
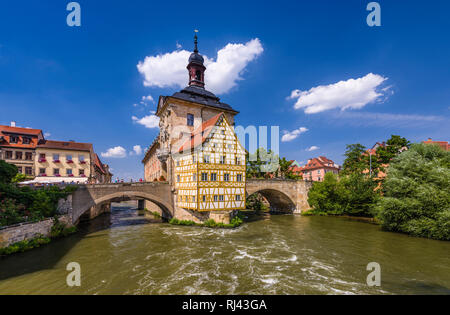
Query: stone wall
{"type": "Point", "coordinates": [26, 231]}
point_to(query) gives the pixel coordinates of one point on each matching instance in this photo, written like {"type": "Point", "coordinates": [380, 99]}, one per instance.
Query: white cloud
{"type": "Point", "coordinates": [292, 135]}
{"type": "Point", "coordinates": [221, 75]}
{"type": "Point", "coordinates": [47, 134]}
{"type": "Point", "coordinates": [148, 98]}
{"type": "Point", "coordinates": [117, 152]}
{"type": "Point", "coordinates": [313, 148]}
{"type": "Point", "coordinates": [350, 94]}
{"type": "Point", "coordinates": [137, 150]}
{"type": "Point", "coordinates": [150, 121]}
{"type": "Point", "coordinates": [179, 45]}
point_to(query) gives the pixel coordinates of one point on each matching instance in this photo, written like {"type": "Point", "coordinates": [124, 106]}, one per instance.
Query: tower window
{"type": "Point", "coordinates": [198, 75]}
{"type": "Point", "coordinates": [190, 120]}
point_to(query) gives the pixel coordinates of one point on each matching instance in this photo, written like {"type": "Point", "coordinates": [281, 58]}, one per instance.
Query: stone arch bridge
{"type": "Point", "coordinates": [90, 201]}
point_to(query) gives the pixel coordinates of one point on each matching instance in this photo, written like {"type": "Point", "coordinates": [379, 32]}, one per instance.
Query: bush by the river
{"type": "Point", "coordinates": [353, 195]}
{"type": "Point", "coordinates": [24, 204]}
{"type": "Point", "coordinates": [416, 197]}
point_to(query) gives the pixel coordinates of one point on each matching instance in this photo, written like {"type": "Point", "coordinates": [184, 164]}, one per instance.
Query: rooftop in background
{"type": "Point", "coordinates": [19, 130]}
{"type": "Point", "coordinates": [443, 144]}
{"type": "Point", "coordinates": [318, 163]}
{"type": "Point", "coordinates": [66, 145]}
{"type": "Point", "coordinates": [17, 137]}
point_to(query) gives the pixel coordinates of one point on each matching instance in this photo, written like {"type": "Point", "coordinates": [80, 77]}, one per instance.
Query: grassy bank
{"type": "Point", "coordinates": [235, 222]}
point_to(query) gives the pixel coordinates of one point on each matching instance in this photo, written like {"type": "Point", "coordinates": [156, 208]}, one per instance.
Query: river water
{"type": "Point", "coordinates": [130, 253]}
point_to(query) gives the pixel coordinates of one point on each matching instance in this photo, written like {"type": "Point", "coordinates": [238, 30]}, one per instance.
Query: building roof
{"type": "Point", "coordinates": [6, 132]}
{"type": "Point", "coordinates": [149, 150]}
{"type": "Point", "coordinates": [443, 144]}
{"type": "Point", "coordinates": [201, 96]}
{"type": "Point", "coordinates": [319, 162]}
{"type": "Point", "coordinates": [200, 134]}
{"type": "Point", "coordinates": [19, 130]}
{"type": "Point", "coordinates": [66, 145]}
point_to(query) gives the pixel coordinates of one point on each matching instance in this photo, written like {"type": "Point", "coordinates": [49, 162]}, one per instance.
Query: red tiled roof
{"type": "Point", "coordinates": [99, 163]}
{"type": "Point", "coordinates": [66, 145]}
{"type": "Point", "coordinates": [443, 144]}
{"type": "Point", "coordinates": [18, 130]}
{"type": "Point", "coordinates": [319, 162]}
{"type": "Point", "coordinates": [6, 131]}
{"type": "Point", "coordinates": [199, 135]}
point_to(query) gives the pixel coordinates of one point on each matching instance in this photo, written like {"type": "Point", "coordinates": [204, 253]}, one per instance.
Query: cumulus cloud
{"type": "Point", "coordinates": [150, 121]}
{"type": "Point", "coordinates": [117, 153]}
{"type": "Point", "coordinates": [350, 94]}
{"type": "Point", "coordinates": [47, 134]}
{"type": "Point", "coordinates": [292, 135]}
{"type": "Point", "coordinates": [313, 148]}
{"type": "Point", "coordinates": [137, 150]}
{"type": "Point", "coordinates": [221, 76]}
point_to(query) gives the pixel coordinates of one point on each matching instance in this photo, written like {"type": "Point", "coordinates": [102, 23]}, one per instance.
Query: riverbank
{"type": "Point", "coordinates": [26, 236]}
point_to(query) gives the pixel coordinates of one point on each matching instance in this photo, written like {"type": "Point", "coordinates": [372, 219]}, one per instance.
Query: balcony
{"type": "Point", "coordinates": [69, 161]}
{"type": "Point", "coordinates": [56, 161]}
{"type": "Point", "coordinates": [42, 160]}
{"type": "Point", "coordinates": [82, 162]}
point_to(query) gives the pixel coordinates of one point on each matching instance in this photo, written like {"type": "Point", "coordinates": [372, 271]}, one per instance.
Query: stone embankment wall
{"type": "Point", "coordinates": [26, 231]}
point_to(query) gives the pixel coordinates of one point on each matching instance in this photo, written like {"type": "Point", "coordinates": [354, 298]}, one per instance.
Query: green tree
{"type": "Point", "coordinates": [355, 160]}
{"type": "Point", "coordinates": [326, 197]}
{"type": "Point", "coordinates": [394, 146]}
{"type": "Point", "coordinates": [261, 163]}
{"type": "Point", "coordinates": [417, 193]}
{"type": "Point", "coordinates": [19, 178]}
{"type": "Point", "coordinates": [285, 170]}
{"type": "Point", "coordinates": [353, 195]}
{"type": "Point", "coordinates": [7, 172]}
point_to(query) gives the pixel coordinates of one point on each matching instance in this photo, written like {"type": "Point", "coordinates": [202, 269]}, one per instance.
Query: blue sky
{"type": "Point", "coordinates": [83, 83]}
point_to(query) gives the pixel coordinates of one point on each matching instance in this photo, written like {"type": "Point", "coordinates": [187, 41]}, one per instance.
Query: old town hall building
{"type": "Point", "coordinates": [197, 150]}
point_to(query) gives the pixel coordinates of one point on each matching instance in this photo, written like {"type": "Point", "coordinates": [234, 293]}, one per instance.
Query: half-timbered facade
{"type": "Point", "coordinates": [210, 169]}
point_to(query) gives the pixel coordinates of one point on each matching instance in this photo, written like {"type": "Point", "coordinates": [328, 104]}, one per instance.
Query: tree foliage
{"type": "Point", "coordinates": [353, 195]}
{"type": "Point", "coordinates": [417, 193]}
{"type": "Point", "coordinates": [7, 172]}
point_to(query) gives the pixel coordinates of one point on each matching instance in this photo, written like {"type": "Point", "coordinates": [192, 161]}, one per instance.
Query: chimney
{"type": "Point", "coordinates": [13, 123]}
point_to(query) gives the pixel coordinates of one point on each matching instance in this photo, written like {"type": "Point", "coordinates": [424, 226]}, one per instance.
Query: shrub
{"type": "Point", "coordinates": [417, 193]}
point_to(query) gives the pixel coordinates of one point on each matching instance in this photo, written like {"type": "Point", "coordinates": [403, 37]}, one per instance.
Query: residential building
{"type": "Point", "coordinates": [443, 144]}
{"type": "Point", "coordinates": [18, 146]}
{"type": "Point", "coordinates": [51, 161]}
{"type": "Point", "coordinates": [316, 168]}
{"type": "Point", "coordinates": [153, 170]}
{"type": "Point", "coordinates": [69, 161]}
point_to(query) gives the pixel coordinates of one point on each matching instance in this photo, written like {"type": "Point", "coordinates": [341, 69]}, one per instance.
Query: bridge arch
{"type": "Point", "coordinates": [279, 201]}
{"type": "Point", "coordinates": [90, 200]}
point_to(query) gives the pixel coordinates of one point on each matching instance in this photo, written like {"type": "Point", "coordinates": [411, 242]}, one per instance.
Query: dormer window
{"type": "Point", "coordinates": [26, 140]}
{"type": "Point", "coordinates": [14, 139]}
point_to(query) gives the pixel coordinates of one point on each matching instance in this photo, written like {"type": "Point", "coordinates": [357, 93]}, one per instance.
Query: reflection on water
{"type": "Point", "coordinates": [127, 252]}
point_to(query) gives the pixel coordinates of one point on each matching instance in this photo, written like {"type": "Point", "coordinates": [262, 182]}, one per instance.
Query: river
{"type": "Point", "coordinates": [127, 252]}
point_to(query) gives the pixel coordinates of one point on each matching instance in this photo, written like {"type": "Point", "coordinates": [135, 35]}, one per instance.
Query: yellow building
{"type": "Point", "coordinates": [57, 161]}
{"type": "Point", "coordinates": [210, 169]}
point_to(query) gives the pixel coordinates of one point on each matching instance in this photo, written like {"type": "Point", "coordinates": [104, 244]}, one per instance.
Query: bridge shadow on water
{"type": "Point", "coordinates": [48, 256]}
